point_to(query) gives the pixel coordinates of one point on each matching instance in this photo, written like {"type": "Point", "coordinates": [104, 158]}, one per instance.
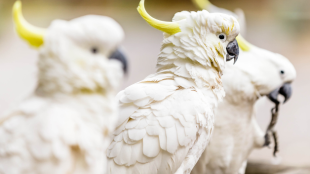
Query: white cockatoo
{"type": "Point", "coordinates": [166, 120]}
{"type": "Point", "coordinates": [64, 126]}
{"type": "Point", "coordinates": [236, 131]}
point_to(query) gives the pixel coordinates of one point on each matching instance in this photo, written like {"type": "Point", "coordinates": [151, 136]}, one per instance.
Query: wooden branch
{"type": "Point", "coordinates": [265, 168]}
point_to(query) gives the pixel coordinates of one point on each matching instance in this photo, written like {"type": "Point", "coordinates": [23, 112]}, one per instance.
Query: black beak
{"type": "Point", "coordinates": [285, 91]}
{"type": "Point", "coordinates": [232, 51]}
{"type": "Point", "coordinates": [118, 55]}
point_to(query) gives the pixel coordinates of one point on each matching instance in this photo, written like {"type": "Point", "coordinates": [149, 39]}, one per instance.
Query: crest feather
{"type": "Point", "coordinates": [167, 27]}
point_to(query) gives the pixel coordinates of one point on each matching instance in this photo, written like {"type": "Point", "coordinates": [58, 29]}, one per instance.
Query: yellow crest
{"type": "Point", "coordinates": [202, 4]}
{"type": "Point", "coordinates": [33, 35]}
{"type": "Point", "coordinates": [167, 27]}
{"type": "Point", "coordinates": [243, 44]}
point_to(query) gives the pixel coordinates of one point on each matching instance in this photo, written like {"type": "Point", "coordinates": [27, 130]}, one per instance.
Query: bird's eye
{"type": "Point", "coordinates": [94, 50]}
{"type": "Point", "coordinates": [222, 36]}
{"type": "Point", "coordinates": [282, 72]}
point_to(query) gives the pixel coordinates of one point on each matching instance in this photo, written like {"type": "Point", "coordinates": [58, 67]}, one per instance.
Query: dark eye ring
{"type": "Point", "coordinates": [282, 72]}
{"type": "Point", "coordinates": [222, 36]}
{"type": "Point", "coordinates": [94, 50]}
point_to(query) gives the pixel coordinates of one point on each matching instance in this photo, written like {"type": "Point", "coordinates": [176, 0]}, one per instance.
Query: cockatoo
{"type": "Point", "coordinates": [64, 126]}
{"type": "Point", "coordinates": [166, 120]}
{"type": "Point", "coordinates": [236, 131]}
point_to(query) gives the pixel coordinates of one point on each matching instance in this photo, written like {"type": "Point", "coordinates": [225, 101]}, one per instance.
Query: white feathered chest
{"type": "Point", "coordinates": [57, 135]}
{"type": "Point", "coordinates": [160, 119]}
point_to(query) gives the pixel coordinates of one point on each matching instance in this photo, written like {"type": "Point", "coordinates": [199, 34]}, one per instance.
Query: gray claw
{"type": "Point", "coordinates": [267, 140]}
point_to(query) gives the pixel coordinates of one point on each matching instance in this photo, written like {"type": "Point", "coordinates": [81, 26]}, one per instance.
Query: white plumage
{"type": "Point", "coordinates": [238, 13]}
{"type": "Point", "coordinates": [164, 116]}
{"type": "Point", "coordinates": [65, 126]}
{"type": "Point", "coordinates": [236, 131]}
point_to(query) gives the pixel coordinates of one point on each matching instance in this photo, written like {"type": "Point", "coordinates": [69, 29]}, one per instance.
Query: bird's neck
{"type": "Point", "coordinates": [186, 57]}
{"type": "Point", "coordinates": [59, 76]}
{"type": "Point", "coordinates": [200, 75]}
{"type": "Point", "coordinates": [238, 106]}
{"type": "Point", "coordinates": [240, 90]}
{"type": "Point", "coordinates": [44, 89]}
{"type": "Point", "coordinates": [203, 77]}
{"type": "Point", "coordinates": [233, 113]}
{"type": "Point", "coordinates": [54, 82]}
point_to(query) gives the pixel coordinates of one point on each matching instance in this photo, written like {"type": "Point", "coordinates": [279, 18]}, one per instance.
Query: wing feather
{"type": "Point", "coordinates": [118, 138]}
{"type": "Point", "coordinates": [160, 124]}
{"type": "Point", "coordinates": [159, 92]}
{"type": "Point", "coordinates": [138, 150]}
{"type": "Point", "coordinates": [127, 139]}
{"type": "Point", "coordinates": [142, 124]}
{"type": "Point", "coordinates": [132, 123]}
{"type": "Point", "coordinates": [183, 140]}
{"type": "Point", "coordinates": [166, 122]}
{"type": "Point", "coordinates": [114, 152]}
{"type": "Point", "coordinates": [136, 134]}
{"type": "Point", "coordinates": [151, 146]}
{"type": "Point", "coordinates": [162, 138]}
{"type": "Point", "coordinates": [126, 155]}
{"type": "Point", "coordinates": [123, 98]}
{"type": "Point", "coordinates": [172, 140]}
{"type": "Point", "coordinates": [125, 111]}
{"type": "Point", "coordinates": [152, 130]}
{"type": "Point", "coordinates": [135, 92]}
{"type": "Point", "coordinates": [142, 102]}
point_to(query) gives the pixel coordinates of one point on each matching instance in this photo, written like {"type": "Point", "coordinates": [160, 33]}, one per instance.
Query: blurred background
{"type": "Point", "coordinates": [281, 26]}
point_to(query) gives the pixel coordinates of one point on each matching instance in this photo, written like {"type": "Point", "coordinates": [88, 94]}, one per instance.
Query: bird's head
{"type": "Point", "coordinates": [200, 37]}
{"type": "Point", "coordinates": [270, 74]}
{"type": "Point", "coordinates": [77, 55]}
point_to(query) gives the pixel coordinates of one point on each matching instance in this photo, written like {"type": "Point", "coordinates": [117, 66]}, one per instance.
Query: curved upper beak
{"type": "Point", "coordinates": [232, 51]}
{"type": "Point", "coordinates": [119, 55]}
{"type": "Point", "coordinates": [285, 91]}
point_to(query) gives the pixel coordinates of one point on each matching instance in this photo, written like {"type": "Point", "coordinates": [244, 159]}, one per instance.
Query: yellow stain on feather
{"type": "Point", "coordinates": [228, 29]}
{"type": "Point", "coordinates": [219, 49]}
